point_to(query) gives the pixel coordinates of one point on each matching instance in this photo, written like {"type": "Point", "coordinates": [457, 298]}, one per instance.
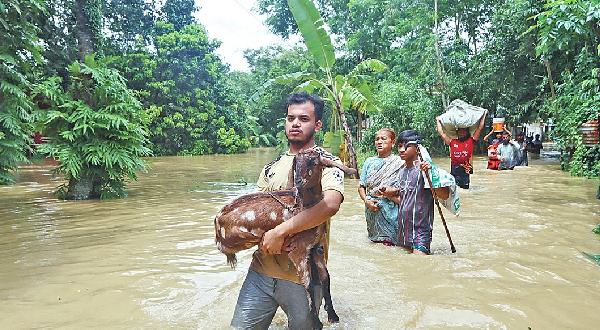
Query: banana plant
{"type": "Point", "coordinates": [351, 91]}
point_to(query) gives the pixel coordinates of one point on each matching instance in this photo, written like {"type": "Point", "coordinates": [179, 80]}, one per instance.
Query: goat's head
{"type": "Point", "coordinates": [308, 166]}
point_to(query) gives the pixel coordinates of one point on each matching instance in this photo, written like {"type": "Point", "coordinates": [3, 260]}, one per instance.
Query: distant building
{"type": "Point", "coordinates": [543, 128]}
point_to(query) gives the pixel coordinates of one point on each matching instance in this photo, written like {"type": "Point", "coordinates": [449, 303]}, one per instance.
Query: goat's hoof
{"type": "Point", "coordinates": [334, 318]}
{"type": "Point", "coordinates": [319, 249]}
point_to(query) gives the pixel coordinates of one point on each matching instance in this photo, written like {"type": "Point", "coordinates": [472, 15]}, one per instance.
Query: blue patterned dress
{"type": "Point", "coordinates": [382, 225]}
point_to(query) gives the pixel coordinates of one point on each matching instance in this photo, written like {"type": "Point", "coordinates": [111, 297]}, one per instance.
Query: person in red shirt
{"type": "Point", "coordinates": [461, 151]}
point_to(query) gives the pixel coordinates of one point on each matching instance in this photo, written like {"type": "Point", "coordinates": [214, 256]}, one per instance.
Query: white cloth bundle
{"type": "Point", "coordinates": [460, 114]}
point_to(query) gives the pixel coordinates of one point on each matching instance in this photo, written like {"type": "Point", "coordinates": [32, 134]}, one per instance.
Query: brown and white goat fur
{"type": "Point", "coordinates": [241, 224]}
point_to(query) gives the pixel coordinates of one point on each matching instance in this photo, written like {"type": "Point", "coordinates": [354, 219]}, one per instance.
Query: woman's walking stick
{"type": "Point", "coordinates": [435, 198]}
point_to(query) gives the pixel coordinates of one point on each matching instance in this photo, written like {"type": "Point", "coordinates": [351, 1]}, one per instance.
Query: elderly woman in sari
{"type": "Point", "coordinates": [381, 213]}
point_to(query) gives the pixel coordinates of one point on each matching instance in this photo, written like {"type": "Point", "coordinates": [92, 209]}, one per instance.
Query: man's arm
{"type": "Point", "coordinates": [390, 193]}
{"type": "Point", "coordinates": [477, 132]}
{"type": "Point", "coordinates": [273, 239]}
{"type": "Point", "coordinates": [441, 133]}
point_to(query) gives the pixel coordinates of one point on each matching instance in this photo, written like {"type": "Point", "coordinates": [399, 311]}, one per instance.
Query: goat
{"type": "Point", "coordinates": [241, 224]}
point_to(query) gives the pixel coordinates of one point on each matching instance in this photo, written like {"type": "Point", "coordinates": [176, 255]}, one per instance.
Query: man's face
{"type": "Point", "coordinates": [463, 133]}
{"type": "Point", "coordinates": [407, 153]}
{"type": "Point", "coordinates": [301, 123]}
{"type": "Point", "coordinates": [505, 137]}
{"type": "Point", "coordinates": [520, 138]}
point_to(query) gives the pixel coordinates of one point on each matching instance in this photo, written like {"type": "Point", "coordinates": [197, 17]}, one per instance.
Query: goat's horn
{"type": "Point", "coordinates": [331, 163]}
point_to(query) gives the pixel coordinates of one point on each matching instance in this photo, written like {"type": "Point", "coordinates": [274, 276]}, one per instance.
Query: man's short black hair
{"type": "Point", "coordinates": [505, 133]}
{"type": "Point", "coordinates": [302, 97]}
{"type": "Point", "coordinates": [409, 135]}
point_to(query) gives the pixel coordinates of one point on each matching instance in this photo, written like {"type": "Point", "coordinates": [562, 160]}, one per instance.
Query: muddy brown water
{"type": "Point", "coordinates": [149, 261]}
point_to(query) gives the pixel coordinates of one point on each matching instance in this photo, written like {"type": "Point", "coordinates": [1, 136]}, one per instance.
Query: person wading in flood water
{"type": "Point", "coordinates": [521, 154]}
{"type": "Point", "coordinates": [461, 151]}
{"type": "Point", "coordinates": [506, 152]}
{"type": "Point", "coordinates": [413, 196]}
{"type": "Point", "coordinates": [272, 280]}
{"type": "Point", "coordinates": [381, 213]}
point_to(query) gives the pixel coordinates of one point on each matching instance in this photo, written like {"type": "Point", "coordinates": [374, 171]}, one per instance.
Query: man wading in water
{"type": "Point", "coordinates": [272, 280]}
{"type": "Point", "coordinates": [461, 151]}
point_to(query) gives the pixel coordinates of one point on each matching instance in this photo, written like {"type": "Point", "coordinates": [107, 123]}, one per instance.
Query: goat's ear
{"type": "Point", "coordinates": [331, 163]}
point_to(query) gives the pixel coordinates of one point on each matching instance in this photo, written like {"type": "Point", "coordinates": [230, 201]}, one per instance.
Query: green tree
{"type": "Point", "coordinates": [179, 12]}
{"type": "Point", "coordinates": [343, 92]}
{"type": "Point", "coordinates": [405, 106]}
{"type": "Point", "coordinates": [96, 130]}
{"type": "Point", "coordinates": [19, 51]}
{"type": "Point", "coordinates": [569, 37]}
{"type": "Point", "coordinates": [189, 97]}
{"type": "Point", "coordinates": [130, 22]}
{"type": "Point", "coordinates": [268, 63]}
{"type": "Point", "coordinates": [281, 22]}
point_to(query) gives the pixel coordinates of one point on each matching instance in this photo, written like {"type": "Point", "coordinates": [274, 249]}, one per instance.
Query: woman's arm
{"type": "Point", "coordinates": [370, 203]}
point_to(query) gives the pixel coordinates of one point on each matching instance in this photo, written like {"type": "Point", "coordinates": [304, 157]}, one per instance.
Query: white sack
{"type": "Point", "coordinates": [460, 114]}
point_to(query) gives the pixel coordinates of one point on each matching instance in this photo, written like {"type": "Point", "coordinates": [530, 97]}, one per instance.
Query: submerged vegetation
{"type": "Point", "coordinates": [525, 60]}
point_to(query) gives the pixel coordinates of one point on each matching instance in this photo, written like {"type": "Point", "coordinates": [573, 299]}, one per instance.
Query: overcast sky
{"type": "Point", "coordinates": [237, 26]}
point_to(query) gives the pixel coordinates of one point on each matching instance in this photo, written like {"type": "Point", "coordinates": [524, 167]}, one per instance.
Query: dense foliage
{"type": "Point", "coordinates": [268, 63]}
{"type": "Point", "coordinates": [95, 129]}
{"type": "Point", "coordinates": [569, 37]}
{"type": "Point", "coordinates": [192, 106]}
{"type": "Point", "coordinates": [19, 50]}
{"type": "Point", "coordinates": [526, 60]}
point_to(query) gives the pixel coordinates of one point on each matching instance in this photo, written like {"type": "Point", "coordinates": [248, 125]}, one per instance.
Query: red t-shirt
{"type": "Point", "coordinates": [461, 152]}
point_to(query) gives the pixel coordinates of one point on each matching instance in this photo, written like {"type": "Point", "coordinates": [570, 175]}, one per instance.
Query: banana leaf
{"type": "Point", "coordinates": [312, 28]}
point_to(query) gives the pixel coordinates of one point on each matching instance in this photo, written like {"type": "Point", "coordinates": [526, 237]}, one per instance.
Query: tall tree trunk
{"type": "Point", "coordinates": [440, 65]}
{"type": "Point", "coordinates": [551, 83]}
{"type": "Point", "coordinates": [85, 186]}
{"type": "Point", "coordinates": [457, 26]}
{"type": "Point", "coordinates": [85, 35]}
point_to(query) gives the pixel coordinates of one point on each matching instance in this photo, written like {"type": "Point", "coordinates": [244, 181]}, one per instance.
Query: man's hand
{"type": "Point", "coordinates": [272, 242]}
{"type": "Point", "coordinates": [288, 243]}
{"type": "Point", "coordinates": [387, 192]}
{"type": "Point", "coordinates": [425, 166]}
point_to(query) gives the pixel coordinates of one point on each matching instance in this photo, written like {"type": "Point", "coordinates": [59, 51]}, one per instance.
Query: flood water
{"type": "Point", "coordinates": [149, 261]}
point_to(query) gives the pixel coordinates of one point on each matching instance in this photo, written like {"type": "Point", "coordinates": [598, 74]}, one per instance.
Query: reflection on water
{"type": "Point", "coordinates": [149, 261]}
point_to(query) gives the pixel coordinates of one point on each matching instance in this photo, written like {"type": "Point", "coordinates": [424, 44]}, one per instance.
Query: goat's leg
{"type": "Point", "coordinates": [315, 296]}
{"type": "Point", "coordinates": [302, 262]}
{"type": "Point", "coordinates": [318, 258]}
